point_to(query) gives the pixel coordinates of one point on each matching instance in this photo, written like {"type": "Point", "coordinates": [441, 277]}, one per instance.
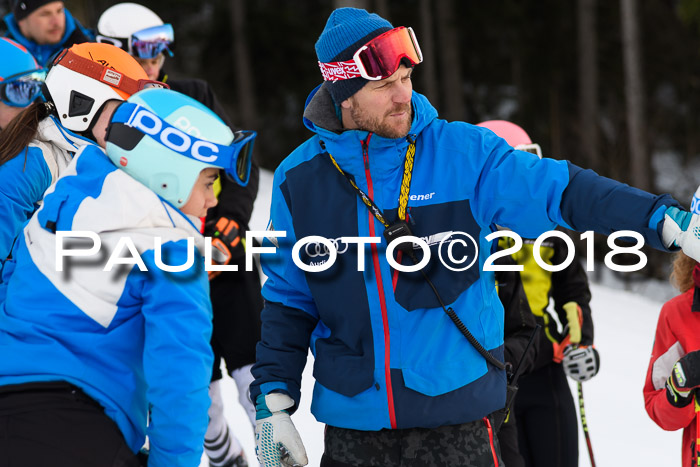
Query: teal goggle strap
{"type": "Point", "coordinates": [131, 122]}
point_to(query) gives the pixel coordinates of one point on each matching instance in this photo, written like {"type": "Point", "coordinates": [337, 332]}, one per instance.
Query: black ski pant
{"type": "Point", "coordinates": [546, 419]}
{"type": "Point", "coordinates": [508, 438]}
{"type": "Point", "coordinates": [236, 302]}
{"type": "Point", "coordinates": [56, 425]}
{"type": "Point", "coordinates": [470, 444]}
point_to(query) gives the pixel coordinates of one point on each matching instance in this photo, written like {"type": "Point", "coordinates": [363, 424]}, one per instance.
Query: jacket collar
{"type": "Point", "coordinates": [51, 131]}
{"type": "Point", "coordinates": [44, 52]}
{"type": "Point", "coordinates": [346, 145]}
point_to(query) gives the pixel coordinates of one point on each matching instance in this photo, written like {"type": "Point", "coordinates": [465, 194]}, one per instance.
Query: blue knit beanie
{"type": "Point", "coordinates": [347, 30]}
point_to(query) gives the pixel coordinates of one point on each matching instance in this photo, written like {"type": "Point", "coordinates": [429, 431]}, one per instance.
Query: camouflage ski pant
{"type": "Point", "coordinates": [470, 444]}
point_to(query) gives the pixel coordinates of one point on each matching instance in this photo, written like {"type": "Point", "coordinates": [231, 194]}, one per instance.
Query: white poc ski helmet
{"type": "Point", "coordinates": [121, 25]}
{"type": "Point", "coordinates": [84, 77]}
{"type": "Point", "coordinates": [513, 134]}
{"type": "Point", "coordinates": [164, 139]}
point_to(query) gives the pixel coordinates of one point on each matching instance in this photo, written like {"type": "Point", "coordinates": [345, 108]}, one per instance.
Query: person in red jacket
{"type": "Point", "coordinates": [674, 368]}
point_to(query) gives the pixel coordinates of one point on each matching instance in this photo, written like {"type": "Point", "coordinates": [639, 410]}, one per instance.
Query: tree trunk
{"type": "Point", "coordinates": [634, 98]}
{"type": "Point", "coordinates": [246, 109]}
{"type": "Point", "coordinates": [426, 40]}
{"type": "Point", "coordinates": [450, 66]}
{"type": "Point", "coordinates": [364, 4]}
{"type": "Point", "coordinates": [381, 7]}
{"type": "Point", "coordinates": [588, 84]}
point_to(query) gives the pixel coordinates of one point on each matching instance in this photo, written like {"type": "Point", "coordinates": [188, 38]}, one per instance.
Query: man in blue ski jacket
{"type": "Point", "coordinates": [407, 364]}
{"type": "Point", "coordinates": [44, 27]}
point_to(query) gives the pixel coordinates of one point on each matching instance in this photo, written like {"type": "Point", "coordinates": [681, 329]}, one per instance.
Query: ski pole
{"type": "Point", "coordinates": [697, 429]}
{"type": "Point", "coordinates": [584, 423]}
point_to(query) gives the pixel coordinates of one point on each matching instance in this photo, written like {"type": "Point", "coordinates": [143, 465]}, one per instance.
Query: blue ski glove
{"type": "Point", "coordinates": [277, 441]}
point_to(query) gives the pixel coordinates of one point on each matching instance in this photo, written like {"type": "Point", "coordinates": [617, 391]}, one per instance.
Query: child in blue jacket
{"type": "Point", "coordinates": [99, 353]}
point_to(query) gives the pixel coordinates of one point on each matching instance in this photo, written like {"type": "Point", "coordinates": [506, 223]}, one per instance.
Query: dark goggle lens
{"type": "Point", "coordinates": [22, 91]}
{"type": "Point", "coordinates": [123, 136]}
{"type": "Point", "coordinates": [245, 155]}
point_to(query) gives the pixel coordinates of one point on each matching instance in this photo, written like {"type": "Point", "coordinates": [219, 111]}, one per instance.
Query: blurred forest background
{"type": "Point", "coordinates": [612, 85]}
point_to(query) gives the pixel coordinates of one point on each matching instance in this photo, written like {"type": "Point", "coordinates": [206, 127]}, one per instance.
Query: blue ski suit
{"type": "Point", "coordinates": [385, 353]}
{"type": "Point", "coordinates": [136, 341]}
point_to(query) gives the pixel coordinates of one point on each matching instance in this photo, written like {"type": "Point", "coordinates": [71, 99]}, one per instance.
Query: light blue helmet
{"type": "Point", "coordinates": [164, 139]}
{"type": "Point", "coordinates": [15, 59]}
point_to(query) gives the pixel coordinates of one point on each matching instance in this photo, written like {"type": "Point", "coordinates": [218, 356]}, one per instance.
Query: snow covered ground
{"type": "Point", "coordinates": [621, 432]}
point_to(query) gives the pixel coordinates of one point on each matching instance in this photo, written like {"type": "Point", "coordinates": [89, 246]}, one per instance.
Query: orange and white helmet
{"type": "Point", "coordinates": [513, 134]}
{"type": "Point", "coordinates": [82, 78]}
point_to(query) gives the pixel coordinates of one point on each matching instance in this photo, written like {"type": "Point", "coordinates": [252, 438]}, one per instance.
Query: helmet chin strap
{"type": "Point", "coordinates": [87, 133]}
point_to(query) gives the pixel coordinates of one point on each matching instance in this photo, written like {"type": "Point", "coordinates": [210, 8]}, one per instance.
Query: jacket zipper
{"type": "Point", "coordinates": [380, 287]}
{"type": "Point", "coordinates": [489, 429]}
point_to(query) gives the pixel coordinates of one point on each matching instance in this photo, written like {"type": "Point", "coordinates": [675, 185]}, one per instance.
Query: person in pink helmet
{"type": "Point", "coordinates": [544, 412]}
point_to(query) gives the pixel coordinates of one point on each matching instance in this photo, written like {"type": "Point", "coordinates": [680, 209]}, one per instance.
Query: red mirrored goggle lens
{"type": "Point", "coordinates": [382, 55]}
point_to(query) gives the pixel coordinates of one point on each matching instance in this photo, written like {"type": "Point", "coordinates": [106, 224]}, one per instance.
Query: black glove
{"type": "Point", "coordinates": [685, 376]}
{"type": "Point", "coordinates": [142, 457]}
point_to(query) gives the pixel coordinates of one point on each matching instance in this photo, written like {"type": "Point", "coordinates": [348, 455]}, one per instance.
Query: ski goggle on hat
{"type": "Point", "coordinates": [22, 89]}
{"type": "Point", "coordinates": [146, 43]}
{"type": "Point", "coordinates": [104, 74]}
{"type": "Point", "coordinates": [378, 58]}
{"type": "Point", "coordinates": [137, 122]}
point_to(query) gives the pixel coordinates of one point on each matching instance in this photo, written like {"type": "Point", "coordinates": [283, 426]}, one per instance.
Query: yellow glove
{"type": "Point", "coordinates": [574, 316]}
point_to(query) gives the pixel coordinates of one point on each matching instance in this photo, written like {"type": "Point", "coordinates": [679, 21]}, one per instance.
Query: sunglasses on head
{"type": "Point", "coordinates": [22, 89]}
{"type": "Point", "coordinates": [146, 43]}
{"type": "Point", "coordinates": [378, 58]}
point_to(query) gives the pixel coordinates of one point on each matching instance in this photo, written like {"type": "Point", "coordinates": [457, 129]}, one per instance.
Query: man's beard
{"type": "Point", "coordinates": [380, 126]}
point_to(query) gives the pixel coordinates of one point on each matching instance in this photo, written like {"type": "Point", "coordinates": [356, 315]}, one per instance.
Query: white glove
{"type": "Point", "coordinates": [682, 229]}
{"type": "Point", "coordinates": [277, 441]}
{"type": "Point", "coordinates": [581, 363]}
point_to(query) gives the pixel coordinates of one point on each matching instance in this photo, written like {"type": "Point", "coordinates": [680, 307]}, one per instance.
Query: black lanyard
{"type": "Point", "coordinates": [405, 186]}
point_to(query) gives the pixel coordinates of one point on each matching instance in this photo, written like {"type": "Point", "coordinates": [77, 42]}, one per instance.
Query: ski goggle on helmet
{"type": "Point", "coordinates": [378, 58]}
{"type": "Point", "coordinates": [514, 135]}
{"type": "Point", "coordinates": [84, 77]}
{"type": "Point", "coordinates": [21, 90]}
{"type": "Point", "coordinates": [164, 139]}
{"type": "Point", "coordinates": [21, 76]}
{"type": "Point", "coordinates": [146, 43]}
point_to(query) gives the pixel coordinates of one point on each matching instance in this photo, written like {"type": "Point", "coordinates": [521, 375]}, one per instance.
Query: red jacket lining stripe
{"type": "Point", "coordinates": [380, 287]}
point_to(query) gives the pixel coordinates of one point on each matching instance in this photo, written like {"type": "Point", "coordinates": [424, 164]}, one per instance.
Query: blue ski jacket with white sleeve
{"type": "Point", "coordinates": [133, 336]}
{"type": "Point", "coordinates": [386, 355]}
{"type": "Point", "coordinates": [25, 178]}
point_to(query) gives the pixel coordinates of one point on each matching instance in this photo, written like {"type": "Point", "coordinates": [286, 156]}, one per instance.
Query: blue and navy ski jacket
{"type": "Point", "coordinates": [385, 353]}
{"type": "Point", "coordinates": [135, 341]}
{"type": "Point", "coordinates": [75, 34]}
